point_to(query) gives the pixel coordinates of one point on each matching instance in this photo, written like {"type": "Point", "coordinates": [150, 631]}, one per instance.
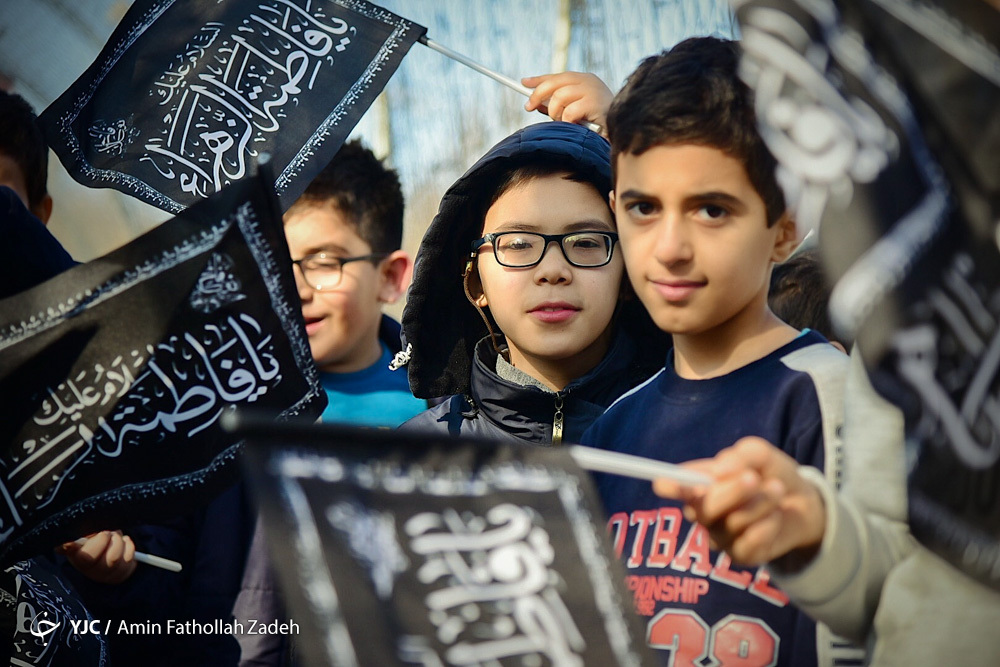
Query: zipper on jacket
{"type": "Point", "coordinates": [557, 421]}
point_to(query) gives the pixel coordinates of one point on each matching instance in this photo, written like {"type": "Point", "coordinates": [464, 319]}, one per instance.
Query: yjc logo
{"type": "Point", "coordinates": [93, 626]}
{"type": "Point", "coordinates": [41, 627]}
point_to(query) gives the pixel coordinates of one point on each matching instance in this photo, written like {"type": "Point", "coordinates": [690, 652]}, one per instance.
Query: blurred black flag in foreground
{"type": "Point", "coordinates": [186, 95]}
{"type": "Point", "coordinates": [114, 373]}
{"type": "Point", "coordinates": [394, 549]}
{"type": "Point", "coordinates": [883, 117]}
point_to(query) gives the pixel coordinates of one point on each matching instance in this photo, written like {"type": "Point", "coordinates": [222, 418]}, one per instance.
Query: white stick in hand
{"type": "Point", "coordinates": [496, 76]}
{"type": "Point", "coordinates": [600, 460]}
{"type": "Point", "coordinates": [148, 559]}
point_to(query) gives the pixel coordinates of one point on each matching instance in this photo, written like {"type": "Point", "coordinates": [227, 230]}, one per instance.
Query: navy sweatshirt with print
{"type": "Point", "coordinates": [701, 608]}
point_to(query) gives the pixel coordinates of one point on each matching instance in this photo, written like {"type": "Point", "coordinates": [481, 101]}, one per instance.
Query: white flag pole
{"type": "Point", "coordinates": [616, 463]}
{"type": "Point", "coordinates": [496, 76]}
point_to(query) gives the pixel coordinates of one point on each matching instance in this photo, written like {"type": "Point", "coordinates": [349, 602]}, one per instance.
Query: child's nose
{"type": "Point", "coordinates": [553, 267]}
{"type": "Point", "coordinates": [672, 244]}
{"type": "Point", "coordinates": [303, 288]}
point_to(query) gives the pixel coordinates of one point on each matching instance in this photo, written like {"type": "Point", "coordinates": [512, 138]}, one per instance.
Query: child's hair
{"type": "Point", "coordinates": [518, 174]}
{"type": "Point", "coordinates": [799, 294]}
{"type": "Point", "coordinates": [21, 140]}
{"type": "Point", "coordinates": [692, 94]}
{"type": "Point", "coordinates": [361, 187]}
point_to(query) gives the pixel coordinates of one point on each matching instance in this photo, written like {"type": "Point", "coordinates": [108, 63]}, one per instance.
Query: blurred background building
{"type": "Point", "coordinates": [434, 119]}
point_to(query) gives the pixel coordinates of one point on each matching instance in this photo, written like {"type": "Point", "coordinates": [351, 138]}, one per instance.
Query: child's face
{"type": "Point", "coordinates": [552, 311]}
{"type": "Point", "coordinates": [342, 324]}
{"type": "Point", "coordinates": [695, 237]}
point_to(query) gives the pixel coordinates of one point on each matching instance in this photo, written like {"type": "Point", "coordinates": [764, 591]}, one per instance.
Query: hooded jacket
{"type": "Point", "coordinates": [499, 409]}
{"type": "Point", "coordinates": [450, 352]}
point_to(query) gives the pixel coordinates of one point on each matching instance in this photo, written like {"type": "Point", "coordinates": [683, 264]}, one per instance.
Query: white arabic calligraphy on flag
{"type": "Point", "coordinates": [115, 388]}
{"type": "Point", "coordinates": [187, 96]}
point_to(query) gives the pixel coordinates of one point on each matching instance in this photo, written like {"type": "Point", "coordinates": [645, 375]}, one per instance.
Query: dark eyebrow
{"type": "Point", "coordinates": [634, 194]}
{"type": "Point", "coordinates": [595, 224]}
{"type": "Point", "coordinates": [724, 198]}
{"type": "Point", "coordinates": [334, 250]}
{"type": "Point", "coordinates": [515, 226]}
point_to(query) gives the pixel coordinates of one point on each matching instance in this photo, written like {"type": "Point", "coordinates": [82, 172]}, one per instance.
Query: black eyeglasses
{"type": "Point", "coordinates": [521, 250]}
{"type": "Point", "coordinates": [322, 271]}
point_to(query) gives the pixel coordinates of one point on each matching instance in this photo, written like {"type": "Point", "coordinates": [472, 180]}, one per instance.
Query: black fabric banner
{"type": "Point", "coordinates": [187, 95]}
{"type": "Point", "coordinates": [396, 550]}
{"type": "Point", "coordinates": [42, 621]}
{"type": "Point", "coordinates": [114, 374]}
{"type": "Point", "coordinates": [883, 116]}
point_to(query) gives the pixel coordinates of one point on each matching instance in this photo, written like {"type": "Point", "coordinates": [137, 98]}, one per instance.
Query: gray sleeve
{"type": "Point", "coordinates": [866, 532]}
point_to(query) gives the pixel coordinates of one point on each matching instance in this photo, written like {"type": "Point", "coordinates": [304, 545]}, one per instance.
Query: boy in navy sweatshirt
{"type": "Point", "coordinates": [702, 221]}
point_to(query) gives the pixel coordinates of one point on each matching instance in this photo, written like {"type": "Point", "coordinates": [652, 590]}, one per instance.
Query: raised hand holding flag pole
{"type": "Point", "coordinates": [496, 76]}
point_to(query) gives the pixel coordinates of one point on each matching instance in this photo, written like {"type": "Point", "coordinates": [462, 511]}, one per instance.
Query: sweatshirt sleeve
{"type": "Point", "coordinates": [866, 531]}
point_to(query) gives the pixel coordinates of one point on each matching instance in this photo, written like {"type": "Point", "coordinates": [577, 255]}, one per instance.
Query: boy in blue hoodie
{"type": "Point", "coordinates": [344, 234]}
{"type": "Point", "coordinates": [702, 221]}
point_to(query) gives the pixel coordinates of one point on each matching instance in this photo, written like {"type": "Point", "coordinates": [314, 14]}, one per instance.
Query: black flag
{"type": "Point", "coordinates": [43, 622]}
{"type": "Point", "coordinates": [393, 549]}
{"type": "Point", "coordinates": [115, 373]}
{"type": "Point", "coordinates": [883, 117]}
{"type": "Point", "coordinates": [186, 95]}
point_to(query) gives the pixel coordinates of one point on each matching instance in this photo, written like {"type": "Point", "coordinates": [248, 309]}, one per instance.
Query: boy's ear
{"type": "Point", "coordinates": [787, 239]}
{"type": "Point", "coordinates": [611, 200]}
{"type": "Point", "coordinates": [475, 285]}
{"type": "Point", "coordinates": [44, 209]}
{"type": "Point", "coordinates": [395, 271]}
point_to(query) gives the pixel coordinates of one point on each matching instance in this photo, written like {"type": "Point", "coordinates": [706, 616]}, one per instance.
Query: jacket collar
{"type": "Point", "coordinates": [527, 411]}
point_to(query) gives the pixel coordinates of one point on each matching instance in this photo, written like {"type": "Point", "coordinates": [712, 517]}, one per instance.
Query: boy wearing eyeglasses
{"type": "Point", "coordinates": [514, 308]}
{"type": "Point", "coordinates": [344, 234]}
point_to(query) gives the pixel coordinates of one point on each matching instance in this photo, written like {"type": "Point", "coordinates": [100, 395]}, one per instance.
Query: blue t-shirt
{"type": "Point", "coordinates": [373, 396]}
{"type": "Point", "coordinates": [700, 608]}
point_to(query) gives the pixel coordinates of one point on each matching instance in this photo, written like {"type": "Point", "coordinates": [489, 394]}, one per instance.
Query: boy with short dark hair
{"type": "Point", "coordinates": [24, 155]}
{"type": "Point", "coordinates": [344, 234]}
{"type": "Point", "coordinates": [29, 253]}
{"type": "Point", "coordinates": [702, 221]}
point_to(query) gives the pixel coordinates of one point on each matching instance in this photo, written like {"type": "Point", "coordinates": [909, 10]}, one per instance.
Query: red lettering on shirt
{"type": "Point", "coordinates": [618, 527]}
{"type": "Point", "coordinates": [722, 572]}
{"type": "Point", "coordinates": [668, 527]}
{"type": "Point", "coordinates": [643, 519]}
{"type": "Point", "coordinates": [648, 589]}
{"type": "Point", "coordinates": [762, 588]}
{"type": "Point", "coordinates": [694, 555]}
